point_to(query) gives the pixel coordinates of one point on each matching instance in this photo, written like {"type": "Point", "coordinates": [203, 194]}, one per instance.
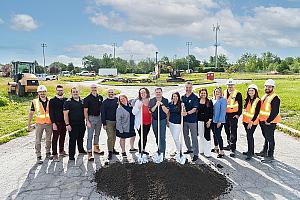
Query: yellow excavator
{"type": "Point", "coordinates": [25, 81]}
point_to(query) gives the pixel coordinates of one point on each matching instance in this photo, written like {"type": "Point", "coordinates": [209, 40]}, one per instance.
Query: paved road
{"type": "Point", "coordinates": [20, 178]}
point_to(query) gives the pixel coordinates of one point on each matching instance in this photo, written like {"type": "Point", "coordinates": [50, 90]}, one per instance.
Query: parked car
{"type": "Point", "coordinates": [65, 73]}
{"type": "Point", "coordinates": [86, 73]}
{"type": "Point", "coordinates": [41, 77]}
{"type": "Point", "coordinates": [51, 77]}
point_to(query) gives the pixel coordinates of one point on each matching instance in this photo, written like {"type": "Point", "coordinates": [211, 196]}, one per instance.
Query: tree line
{"type": "Point", "coordinates": [248, 62]}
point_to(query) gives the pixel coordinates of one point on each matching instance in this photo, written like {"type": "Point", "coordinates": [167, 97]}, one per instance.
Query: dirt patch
{"type": "Point", "coordinates": [167, 180]}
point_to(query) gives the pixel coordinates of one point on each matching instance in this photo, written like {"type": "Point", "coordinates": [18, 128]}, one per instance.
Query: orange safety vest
{"type": "Point", "coordinates": [232, 104]}
{"type": "Point", "coordinates": [249, 112]}
{"type": "Point", "coordinates": [42, 116]}
{"type": "Point", "coordinates": [265, 108]}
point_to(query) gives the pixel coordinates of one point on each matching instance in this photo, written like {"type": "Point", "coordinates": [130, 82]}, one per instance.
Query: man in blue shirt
{"type": "Point", "coordinates": [191, 102]}
{"type": "Point", "coordinates": [163, 104]}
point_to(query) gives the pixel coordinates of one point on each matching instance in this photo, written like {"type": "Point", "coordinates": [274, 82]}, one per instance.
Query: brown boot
{"type": "Point", "coordinates": [97, 149]}
{"type": "Point", "coordinates": [90, 156]}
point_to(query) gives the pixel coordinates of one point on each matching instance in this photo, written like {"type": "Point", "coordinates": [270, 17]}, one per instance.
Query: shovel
{"type": "Point", "coordinates": [158, 157]}
{"type": "Point", "coordinates": [142, 158]}
{"type": "Point", "coordinates": [180, 158]}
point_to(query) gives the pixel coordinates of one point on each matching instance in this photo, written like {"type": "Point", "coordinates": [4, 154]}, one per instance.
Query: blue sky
{"type": "Point", "coordinates": [72, 28]}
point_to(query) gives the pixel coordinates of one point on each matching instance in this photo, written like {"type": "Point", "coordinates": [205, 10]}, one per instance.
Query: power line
{"type": "Point", "coordinates": [216, 29]}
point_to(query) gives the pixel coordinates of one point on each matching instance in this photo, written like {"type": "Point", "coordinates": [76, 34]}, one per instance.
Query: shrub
{"type": "Point", "coordinates": [3, 101]}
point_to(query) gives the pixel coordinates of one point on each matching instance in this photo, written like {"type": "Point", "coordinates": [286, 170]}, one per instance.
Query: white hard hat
{"type": "Point", "coordinates": [230, 82]}
{"type": "Point", "coordinates": [253, 86]}
{"type": "Point", "coordinates": [270, 82]}
{"type": "Point", "coordinates": [41, 88]}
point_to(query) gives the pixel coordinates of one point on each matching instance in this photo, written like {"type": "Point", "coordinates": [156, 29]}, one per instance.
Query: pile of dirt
{"type": "Point", "coordinates": [166, 180]}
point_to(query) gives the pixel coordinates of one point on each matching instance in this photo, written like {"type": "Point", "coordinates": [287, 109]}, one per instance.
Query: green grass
{"type": "Point", "coordinates": [14, 116]}
{"type": "Point", "coordinates": [288, 92]}
{"type": "Point", "coordinates": [255, 76]}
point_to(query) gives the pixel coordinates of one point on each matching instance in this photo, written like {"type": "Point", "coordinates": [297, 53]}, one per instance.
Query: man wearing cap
{"type": "Point", "coordinates": [40, 107]}
{"type": "Point", "coordinates": [269, 116]}
{"type": "Point", "coordinates": [92, 108]}
{"type": "Point", "coordinates": [233, 111]}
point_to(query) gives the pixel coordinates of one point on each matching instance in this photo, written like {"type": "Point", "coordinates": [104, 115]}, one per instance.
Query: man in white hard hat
{"type": "Point", "coordinates": [269, 116]}
{"type": "Point", "coordinates": [233, 111]}
{"type": "Point", "coordinates": [40, 106]}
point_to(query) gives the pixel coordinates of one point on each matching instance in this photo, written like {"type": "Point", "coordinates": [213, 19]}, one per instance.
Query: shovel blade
{"type": "Point", "coordinates": [145, 158]}
{"type": "Point", "coordinates": [181, 159]}
{"type": "Point", "coordinates": [158, 157]}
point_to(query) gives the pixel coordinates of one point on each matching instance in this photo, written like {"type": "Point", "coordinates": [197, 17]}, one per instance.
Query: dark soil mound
{"type": "Point", "coordinates": [167, 180]}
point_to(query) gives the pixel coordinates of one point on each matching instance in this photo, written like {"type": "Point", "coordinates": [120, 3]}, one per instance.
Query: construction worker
{"type": "Point", "coordinates": [56, 105]}
{"type": "Point", "coordinates": [40, 107]}
{"type": "Point", "coordinates": [250, 117]}
{"type": "Point", "coordinates": [92, 110]}
{"type": "Point", "coordinates": [233, 112]}
{"type": "Point", "coordinates": [269, 116]}
{"type": "Point", "coordinates": [74, 120]}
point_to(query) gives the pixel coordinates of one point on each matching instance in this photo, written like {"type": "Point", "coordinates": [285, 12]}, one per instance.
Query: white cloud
{"type": "Point", "coordinates": [265, 26]}
{"type": "Point", "coordinates": [23, 22]}
{"type": "Point", "coordinates": [1, 21]}
{"type": "Point", "coordinates": [77, 61]}
{"type": "Point", "coordinates": [128, 48]}
{"type": "Point", "coordinates": [205, 53]}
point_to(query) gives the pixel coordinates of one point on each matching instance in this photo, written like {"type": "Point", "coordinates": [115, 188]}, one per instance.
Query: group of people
{"type": "Point", "coordinates": [191, 115]}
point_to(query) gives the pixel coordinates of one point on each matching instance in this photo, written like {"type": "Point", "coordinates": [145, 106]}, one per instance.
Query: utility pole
{"type": "Point", "coordinates": [188, 44]}
{"type": "Point", "coordinates": [216, 29]}
{"type": "Point", "coordinates": [44, 46]}
{"type": "Point", "coordinates": [114, 46]}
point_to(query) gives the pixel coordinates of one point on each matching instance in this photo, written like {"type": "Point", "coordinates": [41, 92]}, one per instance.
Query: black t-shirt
{"type": "Point", "coordinates": [205, 112]}
{"type": "Point", "coordinates": [93, 103]}
{"type": "Point", "coordinates": [44, 103]}
{"type": "Point", "coordinates": [190, 102]}
{"type": "Point", "coordinates": [56, 106]}
{"type": "Point", "coordinates": [152, 103]}
{"type": "Point", "coordinates": [109, 109]}
{"type": "Point", "coordinates": [76, 113]}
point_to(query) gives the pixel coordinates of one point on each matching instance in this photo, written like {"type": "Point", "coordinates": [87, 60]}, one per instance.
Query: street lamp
{"type": "Point", "coordinates": [216, 29]}
{"type": "Point", "coordinates": [44, 46]}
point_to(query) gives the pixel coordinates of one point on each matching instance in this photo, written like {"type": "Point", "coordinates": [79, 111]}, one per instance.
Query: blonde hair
{"type": "Point", "coordinates": [122, 95]}
{"type": "Point", "coordinates": [220, 90]}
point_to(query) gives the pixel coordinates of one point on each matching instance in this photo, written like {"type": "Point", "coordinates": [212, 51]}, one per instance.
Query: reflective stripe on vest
{"type": "Point", "coordinates": [265, 109]}
{"type": "Point", "coordinates": [42, 116]}
{"type": "Point", "coordinates": [232, 104]}
{"type": "Point", "coordinates": [249, 112]}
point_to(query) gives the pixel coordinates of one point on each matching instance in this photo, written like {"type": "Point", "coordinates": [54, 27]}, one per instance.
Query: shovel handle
{"type": "Point", "coordinates": [142, 130]}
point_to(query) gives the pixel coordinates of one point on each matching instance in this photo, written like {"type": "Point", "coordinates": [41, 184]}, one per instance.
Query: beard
{"type": "Point", "coordinates": [268, 91]}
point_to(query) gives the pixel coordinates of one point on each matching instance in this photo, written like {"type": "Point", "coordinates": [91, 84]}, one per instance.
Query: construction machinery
{"type": "Point", "coordinates": [25, 81]}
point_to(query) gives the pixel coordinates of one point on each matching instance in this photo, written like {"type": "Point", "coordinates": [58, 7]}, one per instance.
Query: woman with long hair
{"type": "Point", "coordinates": [204, 115]}
{"type": "Point", "coordinates": [219, 115]}
{"type": "Point", "coordinates": [125, 123]}
{"type": "Point", "coordinates": [250, 117]}
{"type": "Point", "coordinates": [141, 106]}
{"type": "Point", "coordinates": [174, 119]}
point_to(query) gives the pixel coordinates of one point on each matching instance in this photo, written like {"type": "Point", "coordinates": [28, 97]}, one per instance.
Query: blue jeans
{"type": "Point", "coordinates": [93, 132]}
{"type": "Point", "coordinates": [217, 135]}
{"type": "Point", "coordinates": [163, 125]}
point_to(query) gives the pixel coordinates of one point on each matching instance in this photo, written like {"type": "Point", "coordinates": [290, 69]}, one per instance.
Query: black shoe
{"type": "Point", "coordinates": [39, 160]}
{"type": "Point", "coordinates": [220, 155]}
{"type": "Point", "coordinates": [245, 153]}
{"type": "Point", "coordinates": [48, 155]}
{"type": "Point", "coordinates": [82, 152]}
{"type": "Point", "coordinates": [215, 150]}
{"type": "Point", "coordinates": [267, 159]}
{"type": "Point", "coordinates": [71, 158]}
{"type": "Point", "coordinates": [261, 154]}
{"type": "Point", "coordinates": [195, 158]}
{"type": "Point", "coordinates": [124, 154]}
{"type": "Point", "coordinates": [232, 154]}
{"type": "Point", "coordinates": [110, 153]}
{"type": "Point", "coordinates": [145, 152]}
{"type": "Point", "coordinates": [187, 152]}
{"type": "Point", "coordinates": [227, 148]}
{"type": "Point", "coordinates": [249, 157]}
{"type": "Point", "coordinates": [133, 150]}
{"type": "Point", "coordinates": [115, 152]}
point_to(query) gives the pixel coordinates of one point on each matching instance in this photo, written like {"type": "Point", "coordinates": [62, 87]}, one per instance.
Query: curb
{"type": "Point", "coordinates": [285, 128]}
